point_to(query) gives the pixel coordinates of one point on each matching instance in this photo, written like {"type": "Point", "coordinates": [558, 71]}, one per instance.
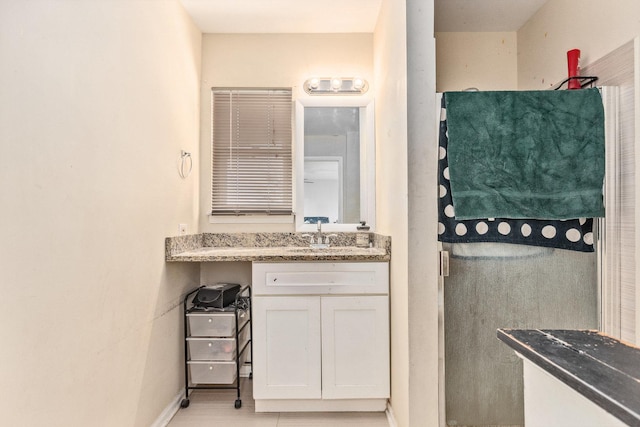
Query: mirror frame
{"type": "Point", "coordinates": [367, 159]}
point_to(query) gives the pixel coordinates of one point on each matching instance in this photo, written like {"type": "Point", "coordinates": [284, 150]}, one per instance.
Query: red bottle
{"type": "Point", "coordinates": [573, 61]}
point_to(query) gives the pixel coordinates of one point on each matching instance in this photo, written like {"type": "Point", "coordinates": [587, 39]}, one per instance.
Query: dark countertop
{"type": "Point", "coordinates": [602, 369]}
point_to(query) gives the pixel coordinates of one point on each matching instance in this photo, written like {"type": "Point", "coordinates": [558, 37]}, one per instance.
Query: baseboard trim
{"type": "Point", "coordinates": [320, 405]}
{"type": "Point", "coordinates": [165, 417]}
{"type": "Point", "coordinates": [390, 416]}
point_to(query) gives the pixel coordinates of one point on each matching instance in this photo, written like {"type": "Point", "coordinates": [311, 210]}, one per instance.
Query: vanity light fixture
{"type": "Point", "coordinates": [336, 86]}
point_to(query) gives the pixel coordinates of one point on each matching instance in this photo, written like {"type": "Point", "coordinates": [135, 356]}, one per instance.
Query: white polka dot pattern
{"type": "Point", "coordinates": [482, 228]}
{"type": "Point", "coordinates": [588, 238]}
{"type": "Point", "coordinates": [461, 229]}
{"type": "Point", "coordinates": [573, 235]}
{"type": "Point", "coordinates": [504, 228]}
{"type": "Point", "coordinates": [448, 211]}
{"type": "Point", "coordinates": [549, 231]}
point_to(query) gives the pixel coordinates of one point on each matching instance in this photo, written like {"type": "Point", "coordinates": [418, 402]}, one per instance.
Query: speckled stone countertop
{"type": "Point", "coordinates": [273, 247]}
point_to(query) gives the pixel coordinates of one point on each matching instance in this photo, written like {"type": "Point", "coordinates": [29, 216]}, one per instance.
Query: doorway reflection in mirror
{"type": "Point", "coordinates": [331, 165]}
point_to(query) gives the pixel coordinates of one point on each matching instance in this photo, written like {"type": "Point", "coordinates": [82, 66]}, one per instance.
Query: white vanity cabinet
{"type": "Point", "coordinates": [321, 336]}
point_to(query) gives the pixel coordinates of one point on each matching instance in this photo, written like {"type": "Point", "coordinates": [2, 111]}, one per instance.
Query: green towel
{"type": "Point", "coordinates": [526, 154]}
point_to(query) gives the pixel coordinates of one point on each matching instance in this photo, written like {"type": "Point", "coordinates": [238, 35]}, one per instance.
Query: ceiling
{"type": "Point", "coordinates": [350, 16]}
{"type": "Point", "coordinates": [284, 16]}
{"type": "Point", "coordinates": [484, 15]}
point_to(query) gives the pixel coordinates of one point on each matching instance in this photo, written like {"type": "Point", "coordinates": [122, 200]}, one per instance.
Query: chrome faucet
{"type": "Point", "coordinates": [318, 240]}
{"type": "Point", "coordinates": [319, 232]}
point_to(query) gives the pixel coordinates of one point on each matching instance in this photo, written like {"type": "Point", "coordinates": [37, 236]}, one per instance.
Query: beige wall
{"type": "Point", "coordinates": [487, 61]}
{"type": "Point", "coordinates": [404, 66]}
{"type": "Point", "coordinates": [561, 25]}
{"type": "Point", "coordinates": [97, 100]}
{"type": "Point", "coordinates": [535, 56]}
{"type": "Point", "coordinates": [391, 185]}
{"type": "Point", "coordinates": [270, 60]}
{"type": "Point", "coordinates": [422, 250]}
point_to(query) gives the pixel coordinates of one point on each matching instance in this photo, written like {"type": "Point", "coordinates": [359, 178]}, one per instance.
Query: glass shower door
{"type": "Point", "coordinates": [497, 285]}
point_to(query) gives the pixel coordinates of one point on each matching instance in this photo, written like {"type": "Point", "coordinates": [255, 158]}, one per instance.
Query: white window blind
{"type": "Point", "coordinates": [618, 237]}
{"type": "Point", "coordinates": [252, 154]}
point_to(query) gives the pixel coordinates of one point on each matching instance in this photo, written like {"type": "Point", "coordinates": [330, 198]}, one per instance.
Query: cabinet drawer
{"type": "Point", "coordinates": [306, 278]}
{"type": "Point", "coordinates": [216, 348]}
{"type": "Point", "coordinates": [206, 372]}
{"type": "Point", "coordinates": [214, 324]}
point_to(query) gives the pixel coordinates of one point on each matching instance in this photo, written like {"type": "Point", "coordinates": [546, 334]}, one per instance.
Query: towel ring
{"type": "Point", "coordinates": [184, 157]}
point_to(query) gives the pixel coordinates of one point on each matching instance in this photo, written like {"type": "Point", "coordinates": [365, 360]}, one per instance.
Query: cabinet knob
{"type": "Point", "coordinates": [210, 344]}
{"type": "Point", "coordinates": [210, 320]}
{"type": "Point", "coordinates": [211, 368]}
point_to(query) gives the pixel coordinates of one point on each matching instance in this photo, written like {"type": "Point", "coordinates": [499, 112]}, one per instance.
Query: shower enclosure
{"type": "Point", "coordinates": [498, 285]}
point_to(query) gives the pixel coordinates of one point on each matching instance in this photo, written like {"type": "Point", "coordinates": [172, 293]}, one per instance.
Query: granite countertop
{"type": "Point", "coordinates": [274, 247]}
{"type": "Point", "coordinates": [602, 369]}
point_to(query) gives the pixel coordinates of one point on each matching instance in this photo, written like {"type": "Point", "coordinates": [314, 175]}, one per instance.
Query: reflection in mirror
{"type": "Point", "coordinates": [335, 163]}
{"type": "Point", "coordinates": [331, 165]}
{"type": "Point", "coordinates": [323, 190]}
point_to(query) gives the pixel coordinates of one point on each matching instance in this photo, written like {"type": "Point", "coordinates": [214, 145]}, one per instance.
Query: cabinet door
{"type": "Point", "coordinates": [355, 347]}
{"type": "Point", "coordinates": [286, 339]}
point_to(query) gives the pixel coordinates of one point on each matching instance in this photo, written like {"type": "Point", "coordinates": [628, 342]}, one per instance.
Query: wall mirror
{"type": "Point", "coordinates": [335, 163]}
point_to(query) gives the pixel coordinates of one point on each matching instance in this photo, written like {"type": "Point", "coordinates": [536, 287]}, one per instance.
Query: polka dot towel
{"type": "Point", "coordinates": [574, 234]}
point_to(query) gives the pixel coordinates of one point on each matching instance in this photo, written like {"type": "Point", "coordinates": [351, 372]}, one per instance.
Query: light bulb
{"type": "Point", "coordinates": [314, 83]}
{"type": "Point", "coordinates": [336, 83]}
{"type": "Point", "coordinates": [358, 83]}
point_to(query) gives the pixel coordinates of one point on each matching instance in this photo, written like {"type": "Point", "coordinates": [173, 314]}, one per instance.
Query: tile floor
{"type": "Point", "coordinates": [216, 408]}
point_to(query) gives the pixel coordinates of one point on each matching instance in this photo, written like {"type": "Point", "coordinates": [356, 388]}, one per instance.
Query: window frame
{"type": "Point", "coordinates": [244, 209]}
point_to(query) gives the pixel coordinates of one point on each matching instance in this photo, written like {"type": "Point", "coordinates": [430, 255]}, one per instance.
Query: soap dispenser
{"type": "Point", "coordinates": [363, 226]}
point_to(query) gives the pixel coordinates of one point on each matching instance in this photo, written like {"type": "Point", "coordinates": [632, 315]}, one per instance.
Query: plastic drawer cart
{"type": "Point", "coordinates": [216, 345]}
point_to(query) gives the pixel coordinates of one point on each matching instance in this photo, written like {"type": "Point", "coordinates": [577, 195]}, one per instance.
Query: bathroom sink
{"type": "Point", "coordinates": [327, 250]}
{"type": "Point", "coordinates": [317, 248]}
{"type": "Point", "coordinates": [319, 245]}
{"type": "Point", "coordinates": [307, 248]}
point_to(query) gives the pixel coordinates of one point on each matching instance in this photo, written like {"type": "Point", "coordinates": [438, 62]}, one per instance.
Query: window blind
{"type": "Point", "coordinates": [618, 264]}
{"type": "Point", "coordinates": [251, 150]}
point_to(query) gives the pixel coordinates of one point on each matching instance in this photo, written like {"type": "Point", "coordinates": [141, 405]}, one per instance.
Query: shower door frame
{"type": "Point", "coordinates": [608, 280]}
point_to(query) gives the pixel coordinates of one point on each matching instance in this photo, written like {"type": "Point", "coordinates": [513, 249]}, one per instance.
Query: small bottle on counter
{"type": "Point", "coordinates": [363, 240]}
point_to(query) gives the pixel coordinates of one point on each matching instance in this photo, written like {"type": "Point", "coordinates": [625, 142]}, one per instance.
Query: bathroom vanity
{"type": "Point", "coordinates": [320, 316]}
{"type": "Point", "coordinates": [321, 336]}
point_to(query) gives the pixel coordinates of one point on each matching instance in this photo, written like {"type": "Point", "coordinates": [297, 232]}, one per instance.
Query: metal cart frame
{"type": "Point", "coordinates": [240, 298]}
